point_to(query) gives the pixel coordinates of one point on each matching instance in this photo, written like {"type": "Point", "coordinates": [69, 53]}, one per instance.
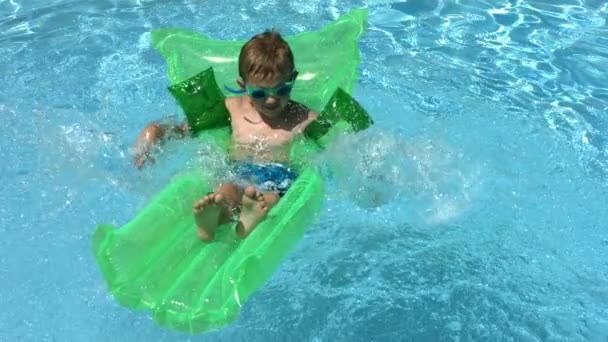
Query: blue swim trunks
{"type": "Point", "coordinates": [271, 177]}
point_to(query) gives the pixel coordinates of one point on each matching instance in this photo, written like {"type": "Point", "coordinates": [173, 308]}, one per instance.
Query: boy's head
{"type": "Point", "coordinates": [266, 68]}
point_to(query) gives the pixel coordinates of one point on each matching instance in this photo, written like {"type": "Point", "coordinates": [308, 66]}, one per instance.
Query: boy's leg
{"type": "Point", "coordinates": [216, 209]}
{"type": "Point", "coordinates": [255, 207]}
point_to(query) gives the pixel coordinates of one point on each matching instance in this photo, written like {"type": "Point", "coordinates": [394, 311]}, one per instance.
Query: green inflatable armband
{"type": "Point", "coordinates": [341, 107]}
{"type": "Point", "coordinates": [156, 262]}
{"type": "Point", "coordinates": [202, 102]}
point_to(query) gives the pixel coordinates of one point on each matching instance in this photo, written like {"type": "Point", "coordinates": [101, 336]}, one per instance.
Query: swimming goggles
{"type": "Point", "coordinates": [259, 93]}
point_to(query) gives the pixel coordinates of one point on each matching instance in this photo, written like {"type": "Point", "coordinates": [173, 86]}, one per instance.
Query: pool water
{"type": "Point", "coordinates": [474, 210]}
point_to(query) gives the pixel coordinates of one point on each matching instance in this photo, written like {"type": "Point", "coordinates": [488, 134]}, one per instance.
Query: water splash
{"type": "Point", "coordinates": [375, 167]}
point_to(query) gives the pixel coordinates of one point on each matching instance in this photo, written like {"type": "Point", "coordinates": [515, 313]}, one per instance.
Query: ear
{"type": "Point", "coordinates": [240, 82]}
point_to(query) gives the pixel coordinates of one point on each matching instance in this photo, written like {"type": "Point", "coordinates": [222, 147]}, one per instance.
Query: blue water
{"type": "Point", "coordinates": [487, 223]}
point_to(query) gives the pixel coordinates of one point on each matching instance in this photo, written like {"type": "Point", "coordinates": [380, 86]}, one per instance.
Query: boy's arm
{"type": "Point", "coordinates": [152, 136]}
{"type": "Point", "coordinates": [308, 118]}
{"type": "Point", "coordinates": [312, 116]}
{"type": "Point", "coordinates": [302, 117]}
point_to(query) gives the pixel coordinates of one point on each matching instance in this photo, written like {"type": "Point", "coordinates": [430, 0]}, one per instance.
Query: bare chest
{"type": "Point", "coordinates": [259, 133]}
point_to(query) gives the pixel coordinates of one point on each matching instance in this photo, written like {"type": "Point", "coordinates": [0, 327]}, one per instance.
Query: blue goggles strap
{"type": "Point", "coordinates": [235, 91]}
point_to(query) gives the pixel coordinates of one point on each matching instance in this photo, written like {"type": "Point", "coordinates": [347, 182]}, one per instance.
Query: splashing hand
{"type": "Point", "coordinates": [147, 140]}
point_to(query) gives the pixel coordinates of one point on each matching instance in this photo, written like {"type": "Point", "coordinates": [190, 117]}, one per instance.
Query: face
{"type": "Point", "coordinates": [270, 96]}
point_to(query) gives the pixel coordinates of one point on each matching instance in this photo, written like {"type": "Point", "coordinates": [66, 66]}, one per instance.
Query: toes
{"type": "Point", "coordinates": [261, 199]}
{"type": "Point", "coordinates": [199, 204]}
{"type": "Point", "coordinates": [250, 192]}
{"type": "Point", "coordinates": [271, 198]}
{"type": "Point", "coordinates": [209, 199]}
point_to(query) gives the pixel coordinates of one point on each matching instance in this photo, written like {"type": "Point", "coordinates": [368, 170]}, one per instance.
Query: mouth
{"type": "Point", "coordinates": [272, 109]}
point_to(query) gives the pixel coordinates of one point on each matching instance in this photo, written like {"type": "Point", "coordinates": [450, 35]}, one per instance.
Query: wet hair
{"type": "Point", "coordinates": [265, 55]}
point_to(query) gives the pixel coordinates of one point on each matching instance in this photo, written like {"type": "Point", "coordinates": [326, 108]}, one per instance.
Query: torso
{"type": "Point", "coordinates": [253, 138]}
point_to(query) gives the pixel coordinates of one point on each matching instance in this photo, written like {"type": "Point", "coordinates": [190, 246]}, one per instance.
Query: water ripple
{"type": "Point", "coordinates": [491, 224]}
{"type": "Point", "coordinates": [522, 54]}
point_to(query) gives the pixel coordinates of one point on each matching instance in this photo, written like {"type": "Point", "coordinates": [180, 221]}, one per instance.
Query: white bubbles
{"type": "Point", "coordinates": [432, 179]}
{"type": "Point", "coordinates": [365, 165]}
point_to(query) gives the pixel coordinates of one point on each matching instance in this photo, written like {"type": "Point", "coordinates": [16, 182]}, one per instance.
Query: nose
{"type": "Point", "coordinates": [270, 100]}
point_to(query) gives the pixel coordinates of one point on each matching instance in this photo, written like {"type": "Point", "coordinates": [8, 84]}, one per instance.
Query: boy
{"type": "Point", "coordinates": [264, 123]}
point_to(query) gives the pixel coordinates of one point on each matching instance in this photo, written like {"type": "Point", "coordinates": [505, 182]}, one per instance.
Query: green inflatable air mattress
{"type": "Point", "coordinates": [156, 262]}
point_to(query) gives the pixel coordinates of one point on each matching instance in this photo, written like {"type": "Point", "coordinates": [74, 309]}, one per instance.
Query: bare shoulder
{"type": "Point", "coordinates": [233, 103]}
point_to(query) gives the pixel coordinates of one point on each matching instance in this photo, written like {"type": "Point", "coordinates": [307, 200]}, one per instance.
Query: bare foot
{"type": "Point", "coordinates": [255, 207]}
{"type": "Point", "coordinates": [209, 213]}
